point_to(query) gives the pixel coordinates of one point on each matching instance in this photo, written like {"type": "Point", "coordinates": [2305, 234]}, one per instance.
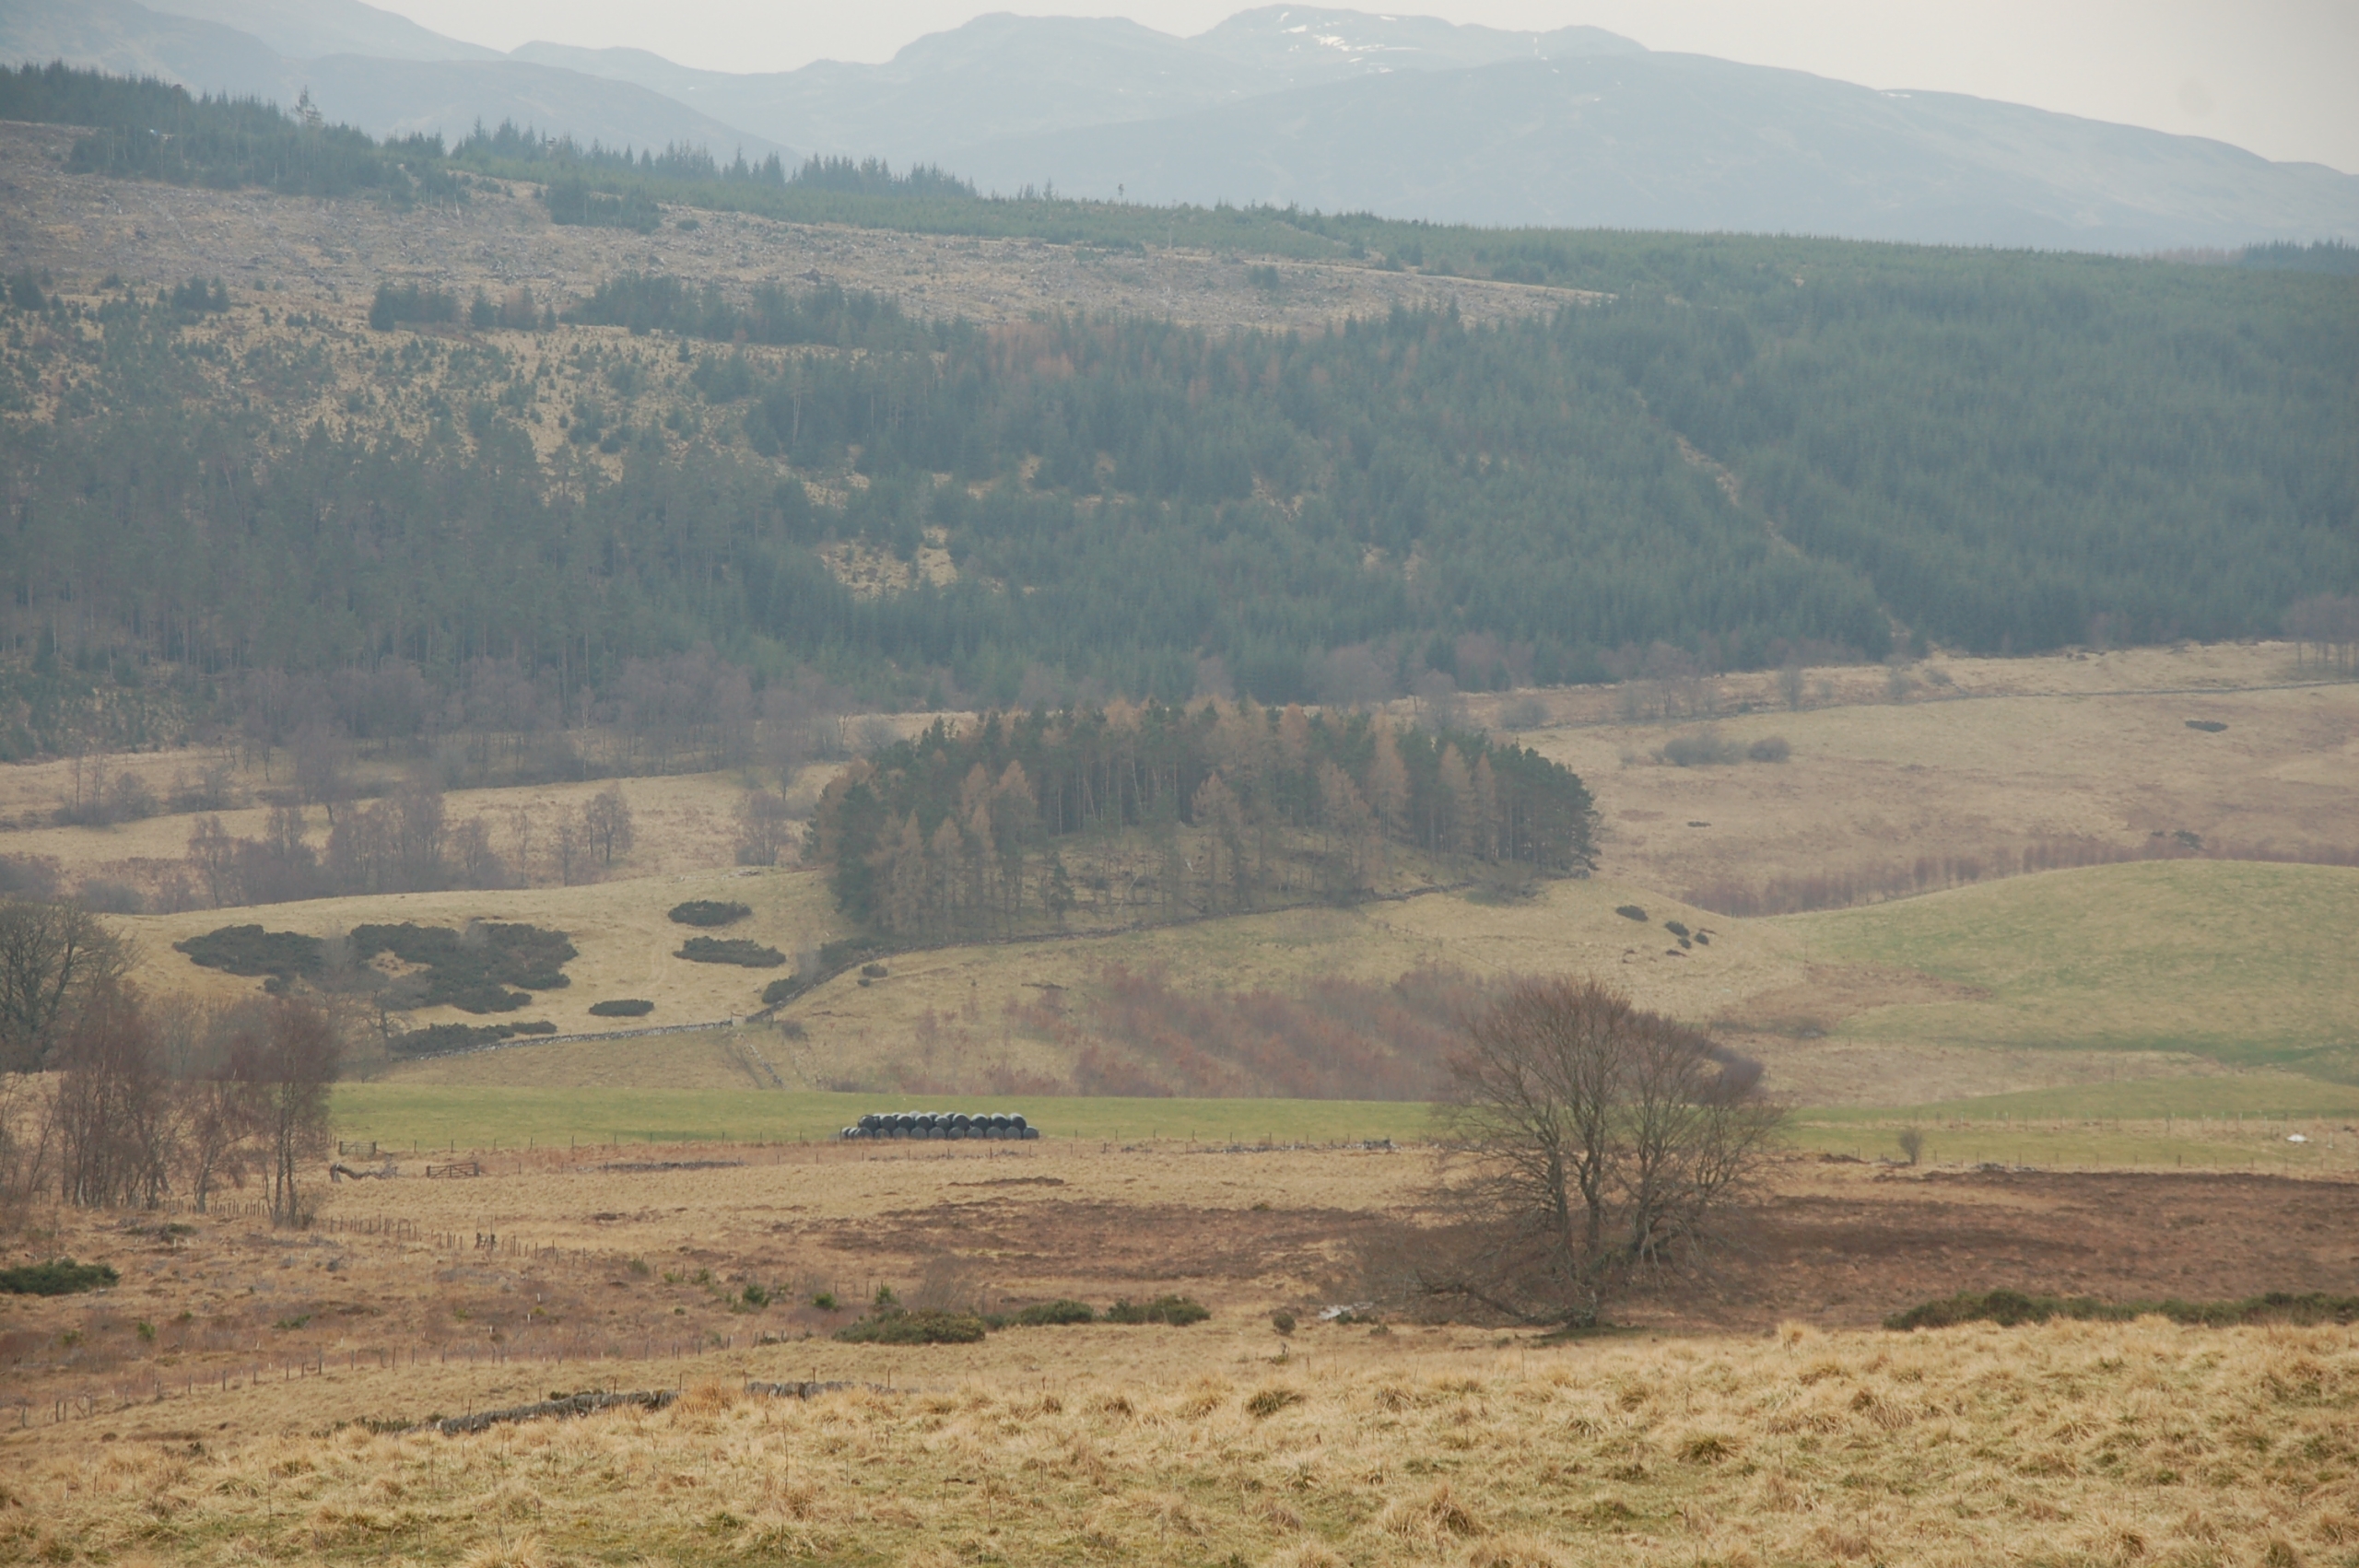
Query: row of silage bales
{"type": "Point", "coordinates": [941, 1125]}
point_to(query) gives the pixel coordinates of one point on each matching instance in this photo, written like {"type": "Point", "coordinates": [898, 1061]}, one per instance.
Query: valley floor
{"type": "Point", "coordinates": [235, 1395]}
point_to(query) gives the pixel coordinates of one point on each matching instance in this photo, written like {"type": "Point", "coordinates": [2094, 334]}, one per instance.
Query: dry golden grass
{"type": "Point", "coordinates": [948, 1011]}
{"type": "Point", "coordinates": [564, 1269]}
{"type": "Point", "coordinates": [2071, 1444]}
{"type": "Point", "coordinates": [682, 823]}
{"type": "Point", "coordinates": [2010, 754]}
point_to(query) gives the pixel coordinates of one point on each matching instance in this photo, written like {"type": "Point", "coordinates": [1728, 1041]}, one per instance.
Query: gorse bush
{"type": "Point", "coordinates": [626, 1007]}
{"type": "Point", "coordinates": [894, 1326]}
{"type": "Point", "coordinates": [472, 970]}
{"type": "Point", "coordinates": [707, 912]}
{"type": "Point", "coordinates": [1052, 1313]}
{"type": "Point", "coordinates": [58, 1277]}
{"type": "Point", "coordinates": [2012, 1308]}
{"type": "Point", "coordinates": [251, 951]}
{"type": "Point", "coordinates": [1177, 1311]}
{"type": "Point", "coordinates": [737, 951]}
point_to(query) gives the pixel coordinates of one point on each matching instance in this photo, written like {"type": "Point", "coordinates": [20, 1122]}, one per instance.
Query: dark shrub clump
{"type": "Point", "coordinates": [709, 912]}
{"type": "Point", "coordinates": [891, 1325]}
{"type": "Point", "coordinates": [2012, 1308]}
{"type": "Point", "coordinates": [58, 1277]}
{"type": "Point", "coordinates": [250, 950]}
{"type": "Point", "coordinates": [1177, 1311]}
{"type": "Point", "coordinates": [621, 1007]}
{"type": "Point", "coordinates": [718, 950]}
{"type": "Point", "coordinates": [1054, 1313]}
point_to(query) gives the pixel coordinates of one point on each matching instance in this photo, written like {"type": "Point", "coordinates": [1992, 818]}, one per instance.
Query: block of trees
{"type": "Point", "coordinates": [957, 833]}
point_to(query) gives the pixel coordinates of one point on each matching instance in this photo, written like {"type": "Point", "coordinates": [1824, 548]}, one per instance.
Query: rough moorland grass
{"type": "Point", "coordinates": [2243, 962]}
{"type": "Point", "coordinates": [398, 1113]}
{"type": "Point", "coordinates": [2067, 1442]}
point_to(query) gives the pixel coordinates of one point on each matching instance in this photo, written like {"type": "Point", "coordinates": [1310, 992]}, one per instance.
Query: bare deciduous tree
{"type": "Point", "coordinates": [27, 1141]}
{"type": "Point", "coordinates": [52, 956]}
{"type": "Point", "coordinates": [291, 1066]}
{"type": "Point", "coordinates": [1596, 1142]}
{"type": "Point", "coordinates": [607, 819]}
{"type": "Point", "coordinates": [114, 1110]}
{"type": "Point", "coordinates": [766, 825]}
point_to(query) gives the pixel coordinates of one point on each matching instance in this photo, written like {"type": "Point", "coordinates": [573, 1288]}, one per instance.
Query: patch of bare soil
{"type": "Point", "coordinates": [1841, 1246]}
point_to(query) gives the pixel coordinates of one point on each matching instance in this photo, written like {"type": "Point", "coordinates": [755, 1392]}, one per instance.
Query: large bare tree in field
{"type": "Point", "coordinates": [1596, 1142]}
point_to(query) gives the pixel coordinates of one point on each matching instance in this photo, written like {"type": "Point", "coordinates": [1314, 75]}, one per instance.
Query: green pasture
{"type": "Point", "coordinates": [2225, 1097]}
{"type": "Point", "coordinates": [2245, 963]}
{"type": "Point", "coordinates": [2239, 1121]}
{"type": "Point", "coordinates": [2091, 1145]}
{"type": "Point", "coordinates": [2242, 1125]}
{"type": "Point", "coordinates": [399, 1116]}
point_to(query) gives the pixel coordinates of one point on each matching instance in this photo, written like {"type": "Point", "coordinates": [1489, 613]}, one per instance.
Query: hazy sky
{"type": "Point", "coordinates": [2273, 75]}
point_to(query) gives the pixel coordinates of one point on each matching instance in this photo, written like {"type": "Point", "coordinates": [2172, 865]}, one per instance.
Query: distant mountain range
{"type": "Point", "coordinates": [1406, 116]}
{"type": "Point", "coordinates": [364, 66]}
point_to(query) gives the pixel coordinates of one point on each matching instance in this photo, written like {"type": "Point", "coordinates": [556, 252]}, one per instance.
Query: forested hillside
{"type": "Point", "coordinates": [1722, 452]}
{"type": "Point", "coordinates": [1989, 453]}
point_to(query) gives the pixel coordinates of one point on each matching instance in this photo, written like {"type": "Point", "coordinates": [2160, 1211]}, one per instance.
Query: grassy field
{"type": "Point", "coordinates": [2114, 985]}
{"type": "Point", "coordinates": [2247, 963]}
{"type": "Point", "coordinates": [2000, 756]}
{"type": "Point", "coordinates": [398, 1115]}
{"type": "Point", "coordinates": [2067, 1443]}
{"type": "Point", "coordinates": [2261, 1096]}
{"type": "Point", "coordinates": [2243, 1124]}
